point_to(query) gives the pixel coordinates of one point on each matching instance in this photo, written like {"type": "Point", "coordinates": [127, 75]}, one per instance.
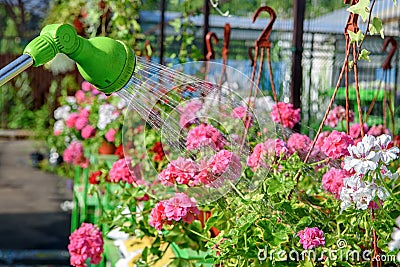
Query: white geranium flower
{"type": "Point", "coordinates": [346, 198]}
{"type": "Point", "coordinates": [362, 158]}
{"type": "Point", "coordinates": [59, 126]}
{"type": "Point", "coordinates": [376, 190]}
{"type": "Point", "coordinates": [362, 197]}
{"type": "Point", "coordinates": [382, 193]}
{"type": "Point", "coordinates": [62, 112]}
{"type": "Point", "coordinates": [385, 154]}
{"type": "Point", "coordinates": [383, 141]}
{"type": "Point", "coordinates": [70, 100]}
{"type": "Point", "coordinates": [387, 173]}
{"type": "Point", "coordinates": [354, 182]}
{"type": "Point", "coordinates": [107, 114]}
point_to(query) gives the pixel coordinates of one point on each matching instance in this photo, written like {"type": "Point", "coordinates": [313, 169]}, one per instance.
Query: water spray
{"type": "Point", "coordinates": [161, 97]}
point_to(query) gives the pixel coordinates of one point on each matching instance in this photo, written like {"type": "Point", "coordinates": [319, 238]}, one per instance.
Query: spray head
{"type": "Point", "coordinates": [106, 63]}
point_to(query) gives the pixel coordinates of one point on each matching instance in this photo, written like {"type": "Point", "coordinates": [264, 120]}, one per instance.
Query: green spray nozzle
{"type": "Point", "coordinates": [106, 63]}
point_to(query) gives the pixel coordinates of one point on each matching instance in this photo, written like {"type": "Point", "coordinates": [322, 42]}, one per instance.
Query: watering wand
{"type": "Point", "coordinates": [106, 63]}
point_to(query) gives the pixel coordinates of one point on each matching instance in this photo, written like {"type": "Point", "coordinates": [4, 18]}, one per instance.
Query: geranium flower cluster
{"type": "Point", "coordinates": [335, 145]}
{"type": "Point", "coordinates": [368, 159]}
{"type": "Point", "coordinates": [285, 114]}
{"type": "Point", "coordinates": [186, 171]}
{"type": "Point", "coordinates": [241, 113]}
{"type": "Point", "coordinates": [180, 207]}
{"type": "Point", "coordinates": [73, 154]}
{"type": "Point", "coordinates": [89, 115]}
{"type": "Point", "coordinates": [332, 181]}
{"type": "Point", "coordinates": [120, 172]}
{"type": "Point", "coordinates": [158, 151]}
{"type": "Point", "coordinates": [311, 237]}
{"type": "Point", "coordinates": [270, 148]}
{"type": "Point", "coordinates": [107, 114]}
{"type": "Point", "coordinates": [375, 130]}
{"type": "Point", "coordinates": [205, 135]}
{"type": "Point", "coordinates": [336, 115]}
{"type": "Point", "coordinates": [188, 113]}
{"type": "Point", "coordinates": [85, 242]}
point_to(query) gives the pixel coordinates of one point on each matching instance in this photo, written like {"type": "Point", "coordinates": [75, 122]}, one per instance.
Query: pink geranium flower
{"type": "Point", "coordinates": [81, 122]}
{"type": "Point", "coordinates": [110, 135]}
{"type": "Point", "coordinates": [157, 216]}
{"type": "Point", "coordinates": [188, 113]}
{"type": "Point", "coordinates": [88, 131]}
{"type": "Point", "coordinates": [73, 154]}
{"type": "Point", "coordinates": [270, 148]}
{"type": "Point", "coordinates": [80, 96]}
{"type": "Point", "coordinates": [288, 114]}
{"type": "Point", "coordinates": [181, 171]}
{"type": "Point", "coordinates": [84, 243]}
{"type": "Point", "coordinates": [378, 130]}
{"type": "Point", "coordinates": [338, 114]}
{"type": "Point", "coordinates": [120, 172]}
{"type": "Point", "coordinates": [240, 113]}
{"type": "Point", "coordinates": [71, 120]}
{"type": "Point", "coordinates": [336, 144]}
{"type": "Point", "coordinates": [180, 207]}
{"type": "Point", "coordinates": [204, 135]}
{"type": "Point", "coordinates": [311, 238]}
{"type": "Point", "coordinates": [355, 130]}
{"type": "Point", "coordinates": [332, 181]}
{"type": "Point", "coordinates": [298, 143]}
{"type": "Point", "coordinates": [254, 159]}
{"type": "Point", "coordinates": [86, 86]}
{"type": "Point", "coordinates": [220, 162]}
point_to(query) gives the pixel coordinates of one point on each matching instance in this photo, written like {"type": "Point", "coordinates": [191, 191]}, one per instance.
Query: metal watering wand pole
{"type": "Point", "coordinates": [106, 63]}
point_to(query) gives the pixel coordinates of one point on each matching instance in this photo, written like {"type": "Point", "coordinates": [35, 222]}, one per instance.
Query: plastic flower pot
{"type": "Point", "coordinates": [106, 148]}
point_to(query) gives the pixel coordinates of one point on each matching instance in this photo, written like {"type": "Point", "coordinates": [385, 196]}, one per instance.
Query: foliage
{"type": "Point", "coordinates": [17, 103]}
{"type": "Point", "coordinates": [185, 34]}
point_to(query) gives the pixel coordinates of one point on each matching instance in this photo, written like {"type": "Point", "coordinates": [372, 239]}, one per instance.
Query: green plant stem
{"type": "Point", "coordinates": [240, 195]}
{"type": "Point", "coordinates": [200, 235]}
{"type": "Point", "coordinates": [318, 162]}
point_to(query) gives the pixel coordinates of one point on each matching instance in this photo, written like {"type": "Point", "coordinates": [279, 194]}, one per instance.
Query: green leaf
{"type": "Point", "coordinates": [176, 24]}
{"type": "Point", "coordinates": [355, 37]}
{"type": "Point", "coordinates": [376, 27]}
{"type": "Point", "coordinates": [305, 221]}
{"type": "Point", "coordinates": [364, 55]}
{"type": "Point", "coordinates": [274, 186]}
{"type": "Point", "coordinates": [361, 8]}
{"type": "Point", "coordinates": [275, 235]}
{"type": "Point", "coordinates": [351, 64]}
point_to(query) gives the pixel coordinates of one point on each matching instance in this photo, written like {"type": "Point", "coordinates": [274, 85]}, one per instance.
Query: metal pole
{"type": "Point", "coordinates": [396, 73]}
{"type": "Point", "coordinates": [206, 25]}
{"type": "Point", "coordinates": [297, 43]}
{"type": "Point", "coordinates": [310, 82]}
{"type": "Point", "coordinates": [14, 68]}
{"type": "Point", "coordinates": [162, 37]}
